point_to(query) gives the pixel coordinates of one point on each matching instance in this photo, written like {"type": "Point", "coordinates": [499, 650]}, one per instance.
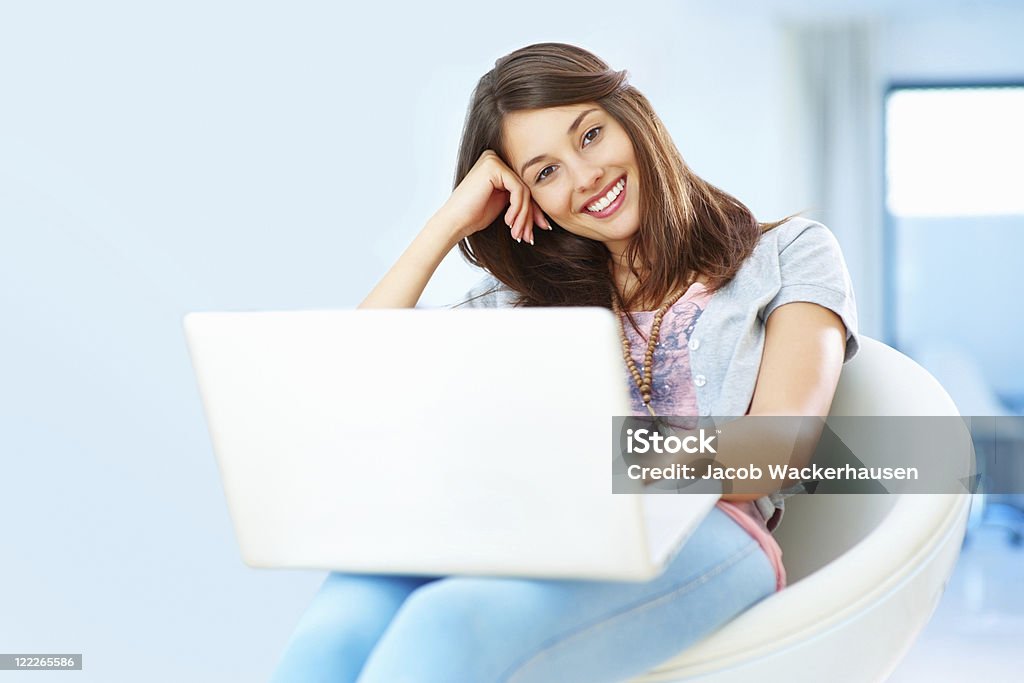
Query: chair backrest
{"type": "Point", "coordinates": [878, 381]}
{"type": "Point", "coordinates": [882, 381]}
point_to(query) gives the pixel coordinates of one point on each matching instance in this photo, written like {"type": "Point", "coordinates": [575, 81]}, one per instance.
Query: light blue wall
{"type": "Point", "coordinates": [959, 283]}
{"type": "Point", "coordinates": [949, 40]}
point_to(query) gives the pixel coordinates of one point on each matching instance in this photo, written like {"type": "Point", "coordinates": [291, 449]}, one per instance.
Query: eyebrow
{"type": "Point", "coordinates": [572, 129]}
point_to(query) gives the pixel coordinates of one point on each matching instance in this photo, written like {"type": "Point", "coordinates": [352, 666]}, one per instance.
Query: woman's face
{"type": "Point", "coordinates": [574, 159]}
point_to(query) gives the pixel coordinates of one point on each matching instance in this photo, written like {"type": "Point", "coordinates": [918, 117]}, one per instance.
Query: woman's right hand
{"type": "Point", "coordinates": [482, 195]}
{"type": "Point", "coordinates": [485, 191]}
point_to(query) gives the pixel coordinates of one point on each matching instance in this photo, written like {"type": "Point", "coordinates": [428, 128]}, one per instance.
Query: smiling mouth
{"type": "Point", "coordinates": [610, 202]}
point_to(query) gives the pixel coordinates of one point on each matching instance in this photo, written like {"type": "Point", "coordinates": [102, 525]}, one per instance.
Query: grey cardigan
{"type": "Point", "coordinates": [799, 260]}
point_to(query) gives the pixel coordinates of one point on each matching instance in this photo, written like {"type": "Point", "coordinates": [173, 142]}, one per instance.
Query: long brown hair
{"type": "Point", "coordinates": [687, 225]}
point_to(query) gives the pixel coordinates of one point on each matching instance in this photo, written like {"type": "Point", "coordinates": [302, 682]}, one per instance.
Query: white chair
{"type": "Point", "coordinates": [865, 571]}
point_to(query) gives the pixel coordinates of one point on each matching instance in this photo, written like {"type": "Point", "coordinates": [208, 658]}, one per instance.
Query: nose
{"type": "Point", "coordinates": [588, 178]}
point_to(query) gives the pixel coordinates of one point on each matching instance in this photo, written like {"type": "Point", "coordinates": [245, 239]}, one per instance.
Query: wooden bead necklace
{"type": "Point", "coordinates": [645, 382]}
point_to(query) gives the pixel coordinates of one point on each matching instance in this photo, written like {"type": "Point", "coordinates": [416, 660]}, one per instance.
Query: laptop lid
{"type": "Point", "coordinates": [426, 441]}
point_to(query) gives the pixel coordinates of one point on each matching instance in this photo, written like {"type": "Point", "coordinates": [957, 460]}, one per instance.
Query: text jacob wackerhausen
{"type": "Point", "coordinates": [644, 441]}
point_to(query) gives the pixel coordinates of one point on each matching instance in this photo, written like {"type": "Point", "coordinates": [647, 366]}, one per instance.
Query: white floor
{"type": "Point", "coordinates": [977, 633]}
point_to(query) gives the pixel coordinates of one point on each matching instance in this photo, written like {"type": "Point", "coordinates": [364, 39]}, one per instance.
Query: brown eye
{"type": "Point", "coordinates": [587, 137]}
{"type": "Point", "coordinates": [543, 173]}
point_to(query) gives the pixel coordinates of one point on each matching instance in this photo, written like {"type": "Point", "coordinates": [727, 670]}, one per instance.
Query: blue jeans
{"type": "Point", "coordinates": [404, 629]}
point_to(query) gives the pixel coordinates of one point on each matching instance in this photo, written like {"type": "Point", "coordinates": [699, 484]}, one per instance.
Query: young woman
{"type": "Point", "coordinates": [570, 192]}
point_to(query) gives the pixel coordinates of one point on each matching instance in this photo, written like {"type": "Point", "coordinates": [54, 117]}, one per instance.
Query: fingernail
{"type": "Point", "coordinates": [531, 241]}
{"type": "Point", "coordinates": [519, 239]}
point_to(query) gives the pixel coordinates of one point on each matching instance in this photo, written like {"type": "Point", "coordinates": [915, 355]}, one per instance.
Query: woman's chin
{"type": "Point", "coordinates": [625, 229]}
{"type": "Point", "coordinates": [613, 231]}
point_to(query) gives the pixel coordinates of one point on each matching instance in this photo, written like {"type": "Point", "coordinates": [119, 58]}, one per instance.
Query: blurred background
{"type": "Point", "coordinates": [161, 158]}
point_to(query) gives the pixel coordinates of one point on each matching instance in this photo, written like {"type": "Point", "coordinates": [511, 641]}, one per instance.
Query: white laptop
{"type": "Point", "coordinates": [430, 442]}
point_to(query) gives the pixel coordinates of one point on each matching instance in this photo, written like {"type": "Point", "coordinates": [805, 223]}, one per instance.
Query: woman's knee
{"type": "Point", "coordinates": [447, 631]}
{"type": "Point", "coordinates": [461, 607]}
{"type": "Point", "coordinates": [353, 607]}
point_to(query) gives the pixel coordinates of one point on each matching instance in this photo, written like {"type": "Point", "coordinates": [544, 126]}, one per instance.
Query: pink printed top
{"type": "Point", "coordinates": [672, 394]}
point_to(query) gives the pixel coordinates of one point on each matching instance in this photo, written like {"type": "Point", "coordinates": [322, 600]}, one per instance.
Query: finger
{"type": "Point", "coordinates": [510, 212]}
{"type": "Point", "coordinates": [501, 182]}
{"type": "Point", "coordinates": [539, 218]}
{"type": "Point", "coordinates": [514, 229]}
{"type": "Point", "coordinates": [526, 217]}
{"type": "Point", "coordinates": [515, 205]}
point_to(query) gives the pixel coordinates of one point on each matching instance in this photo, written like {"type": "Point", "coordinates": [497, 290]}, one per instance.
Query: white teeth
{"type": "Point", "coordinates": [603, 203]}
